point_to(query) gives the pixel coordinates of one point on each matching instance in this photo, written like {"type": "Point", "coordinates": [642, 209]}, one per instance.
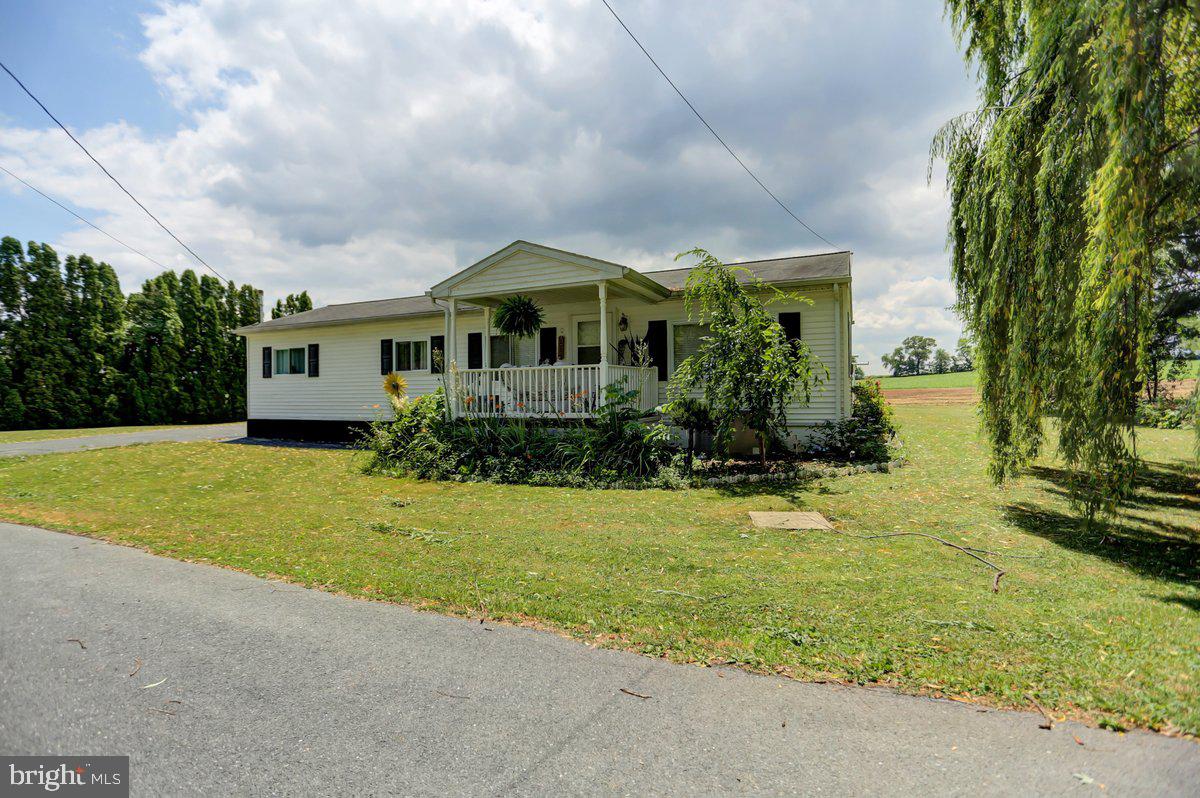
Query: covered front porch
{"type": "Point", "coordinates": [563, 370]}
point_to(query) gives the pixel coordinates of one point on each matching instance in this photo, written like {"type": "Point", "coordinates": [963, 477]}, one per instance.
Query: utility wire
{"type": "Point", "coordinates": [716, 135]}
{"type": "Point", "coordinates": [80, 218]}
{"type": "Point", "coordinates": [33, 97]}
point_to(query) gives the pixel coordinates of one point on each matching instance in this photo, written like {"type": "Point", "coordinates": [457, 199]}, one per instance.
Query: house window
{"type": "Point", "coordinates": [685, 341]}
{"type": "Point", "coordinates": [502, 351]}
{"type": "Point", "coordinates": [289, 361]}
{"type": "Point", "coordinates": [790, 322]}
{"type": "Point", "coordinates": [587, 342]}
{"type": "Point", "coordinates": [411, 355]}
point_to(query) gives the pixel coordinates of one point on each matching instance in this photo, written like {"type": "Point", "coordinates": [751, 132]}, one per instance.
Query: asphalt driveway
{"type": "Point", "coordinates": [200, 432]}
{"type": "Point", "coordinates": [221, 683]}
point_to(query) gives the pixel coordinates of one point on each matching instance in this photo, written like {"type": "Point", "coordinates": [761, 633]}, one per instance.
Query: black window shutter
{"type": "Point", "coordinates": [314, 360]}
{"type": "Point", "coordinates": [437, 354]}
{"type": "Point", "coordinates": [548, 345]}
{"type": "Point", "coordinates": [791, 325]}
{"type": "Point", "coordinates": [474, 350]}
{"type": "Point", "coordinates": [656, 342]}
{"type": "Point", "coordinates": [385, 356]}
{"type": "Point", "coordinates": [267, 362]}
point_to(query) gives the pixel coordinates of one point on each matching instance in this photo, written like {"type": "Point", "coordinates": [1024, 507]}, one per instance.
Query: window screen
{"type": "Point", "coordinates": [587, 342]}
{"type": "Point", "coordinates": [685, 341]}
{"type": "Point", "coordinates": [501, 351]}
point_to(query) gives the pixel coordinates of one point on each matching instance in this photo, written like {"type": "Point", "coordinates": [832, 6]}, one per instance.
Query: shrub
{"type": "Point", "coordinates": [1166, 413]}
{"type": "Point", "coordinates": [866, 435]}
{"type": "Point", "coordinates": [616, 448]}
{"type": "Point", "coordinates": [411, 441]}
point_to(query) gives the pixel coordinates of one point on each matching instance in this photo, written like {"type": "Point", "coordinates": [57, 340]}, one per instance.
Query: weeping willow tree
{"type": "Point", "coordinates": [1081, 162]}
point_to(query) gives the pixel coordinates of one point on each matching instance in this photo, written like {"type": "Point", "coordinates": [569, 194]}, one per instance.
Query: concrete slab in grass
{"type": "Point", "coordinates": [790, 520]}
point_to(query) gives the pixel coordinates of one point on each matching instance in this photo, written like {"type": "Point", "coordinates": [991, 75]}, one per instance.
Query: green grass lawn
{"type": "Point", "coordinates": [1104, 628]}
{"type": "Point", "coordinates": [22, 435]}
{"type": "Point", "coordinates": [957, 379]}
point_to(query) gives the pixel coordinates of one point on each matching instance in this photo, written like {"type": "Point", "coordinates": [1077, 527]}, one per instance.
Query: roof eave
{"type": "Point", "coordinates": [265, 327]}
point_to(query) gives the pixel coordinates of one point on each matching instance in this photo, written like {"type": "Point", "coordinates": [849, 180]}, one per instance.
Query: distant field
{"type": "Point", "coordinates": [970, 379]}
{"type": "Point", "coordinates": [23, 435]}
{"type": "Point", "coordinates": [958, 379]}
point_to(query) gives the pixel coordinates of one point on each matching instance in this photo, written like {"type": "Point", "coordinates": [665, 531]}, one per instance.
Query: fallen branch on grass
{"type": "Point", "coordinates": [691, 595]}
{"type": "Point", "coordinates": [970, 552]}
{"type": "Point", "coordinates": [1049, 724]}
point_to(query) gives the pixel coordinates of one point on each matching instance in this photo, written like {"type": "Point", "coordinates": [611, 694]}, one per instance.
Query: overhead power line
{"type": "Point", "coordinates": [80, 218]}
{"type": "Point", "coordinates": [716, 135]}
{"type": "Point", "coordinates": [42, 105]}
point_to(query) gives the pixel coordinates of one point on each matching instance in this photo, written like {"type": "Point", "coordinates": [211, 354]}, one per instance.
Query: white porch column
{"type": "Point", "coordinates": [452, 335]}
{"type": "Point", "coordinates": [603, 288]}
{"type": "Point", "coordinates": [487, 359]}
{"type": "Point", "coordinates": [487, 336]}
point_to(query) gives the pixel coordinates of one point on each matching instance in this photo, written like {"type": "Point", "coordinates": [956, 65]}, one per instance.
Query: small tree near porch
{"type": "Point", "coordinates": [746, 367]}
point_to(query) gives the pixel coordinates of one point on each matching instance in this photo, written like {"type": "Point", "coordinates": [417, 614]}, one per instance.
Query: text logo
{"type": "Point", "coordinates": [92, 776]}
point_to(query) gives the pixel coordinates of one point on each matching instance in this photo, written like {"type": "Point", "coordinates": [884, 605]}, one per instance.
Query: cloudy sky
{"type": "Point", "coordinates": [367, 148]}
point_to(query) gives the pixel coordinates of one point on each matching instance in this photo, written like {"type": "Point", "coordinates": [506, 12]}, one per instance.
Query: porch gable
{"type": "Point", "coordinates": [526, 267]}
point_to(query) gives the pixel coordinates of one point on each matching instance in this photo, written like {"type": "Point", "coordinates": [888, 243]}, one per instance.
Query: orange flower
{"type": "Point", "coordinates": [521, 405]}
{"type": "Point", "coordinates": [469, 399]}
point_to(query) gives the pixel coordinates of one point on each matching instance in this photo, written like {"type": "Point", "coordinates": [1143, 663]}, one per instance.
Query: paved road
{"type": "Point", "coordinates": [198, 433]}
{"type": "Point", "coordinates": [283, 690]}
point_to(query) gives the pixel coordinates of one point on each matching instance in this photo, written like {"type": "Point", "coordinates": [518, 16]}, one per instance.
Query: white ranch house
{"type": "Point", "coordinates": [318, 375]}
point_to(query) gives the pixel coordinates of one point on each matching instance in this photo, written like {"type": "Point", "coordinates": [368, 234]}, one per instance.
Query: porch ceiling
{"type": "Point", "coordinates": [562, 295]}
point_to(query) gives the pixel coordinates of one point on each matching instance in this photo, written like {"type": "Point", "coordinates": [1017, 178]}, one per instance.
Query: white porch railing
{"type": "Point", "coordinates": [547, 391]}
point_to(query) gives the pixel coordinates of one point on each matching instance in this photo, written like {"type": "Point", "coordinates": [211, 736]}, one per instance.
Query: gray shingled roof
{"type": "Point", "coordinates": [826, 266]}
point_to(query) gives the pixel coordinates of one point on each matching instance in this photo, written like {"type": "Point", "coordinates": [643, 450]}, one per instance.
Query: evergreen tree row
{"type": "Point", "coordinates": [76, 352]}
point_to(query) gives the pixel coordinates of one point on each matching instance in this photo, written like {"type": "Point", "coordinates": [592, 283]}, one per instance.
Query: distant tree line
{"type": "Point", "coordinates": [920, 354]}
{"type": "Point", "coordinates": [75, 351]}
{"type": "Point", "coordinates": [294, 303]}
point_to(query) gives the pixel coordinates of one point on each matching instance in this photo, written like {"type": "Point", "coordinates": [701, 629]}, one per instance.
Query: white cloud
{"type": "Point", "coordinates": [367, 149]}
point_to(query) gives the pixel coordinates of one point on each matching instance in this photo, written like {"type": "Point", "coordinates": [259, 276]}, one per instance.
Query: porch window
{"type": "Point", "coordinates": [685, 341]}
{"type": "Point", "coordinates": [502, 351]}
{"type": "Point", "coordinates": [587, 342]}
{"type": "Point", "coordinates": [411, 356]}
{"type": "Point", "coordinates": [289, 361]}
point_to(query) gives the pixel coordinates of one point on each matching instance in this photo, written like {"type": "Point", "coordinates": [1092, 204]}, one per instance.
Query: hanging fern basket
{"type": "Point", "coordinates": [519, 315]}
